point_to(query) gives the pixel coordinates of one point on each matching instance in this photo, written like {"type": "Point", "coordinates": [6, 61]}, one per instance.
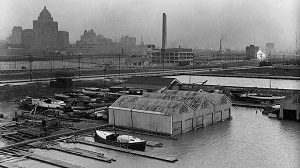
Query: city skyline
{"type": "Point", "coordinates": [200, 24]}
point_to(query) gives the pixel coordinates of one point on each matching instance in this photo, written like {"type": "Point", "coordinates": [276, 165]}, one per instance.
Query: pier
{"type": "Point", "coordinates": [52, 137]}
{"type": "Point", "coordinates": [51, 161]}
{"type": "Point", "coordinates": [24, 154]}
{"type": "Point", "coordinates": [7, 165]}
{"type": "Point", "coordinates": [83, 153]}
{"type": "Point", "coordinates": [124, 150]}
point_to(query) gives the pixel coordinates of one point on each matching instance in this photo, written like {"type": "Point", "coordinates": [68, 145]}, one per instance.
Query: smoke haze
{"type": "Point", "coordinates": [192, 23]}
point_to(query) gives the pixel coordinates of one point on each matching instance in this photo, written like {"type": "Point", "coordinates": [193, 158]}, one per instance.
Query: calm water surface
{"type": "Point", "coordinates": [242, 82]}
{"type": "Point", "coordinates": [248, 140]}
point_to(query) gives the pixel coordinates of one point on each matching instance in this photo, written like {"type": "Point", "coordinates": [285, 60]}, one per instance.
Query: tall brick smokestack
{"type": "Point", "coordinates": [164, 31]}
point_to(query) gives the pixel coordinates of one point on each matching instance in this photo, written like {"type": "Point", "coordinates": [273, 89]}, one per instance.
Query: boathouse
{"type": "Point", "coordinates": [214, 107]}
{"type": "Point", "coordinates": [290, 108]}
{"type": "Point", "coordinates": [171, 112]}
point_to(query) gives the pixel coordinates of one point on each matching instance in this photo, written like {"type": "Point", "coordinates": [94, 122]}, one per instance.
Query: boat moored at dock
{"type": "Point", "coordinates": [115, 139]}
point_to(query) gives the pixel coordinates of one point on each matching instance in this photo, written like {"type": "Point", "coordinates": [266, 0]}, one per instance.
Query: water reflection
{"type": "Point", "coordinates": [248, 140]}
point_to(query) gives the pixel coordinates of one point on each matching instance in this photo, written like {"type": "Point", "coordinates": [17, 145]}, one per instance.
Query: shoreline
{"type": "Point", "coordinates": [247, 76]}
{"type": "Point", "coordinates": [87, 74]}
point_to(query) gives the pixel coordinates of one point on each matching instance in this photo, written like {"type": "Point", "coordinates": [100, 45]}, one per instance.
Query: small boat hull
{"type": "Point", "coordinates": [267, 97]}
{"type": "Point", "coordinates": [272, 115]}
{"type": "Point", "coordinates": [140, 146]}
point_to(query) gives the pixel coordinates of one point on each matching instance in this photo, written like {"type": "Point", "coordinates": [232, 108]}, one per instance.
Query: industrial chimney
{"type": "Point", "coordinates": [164, 31]}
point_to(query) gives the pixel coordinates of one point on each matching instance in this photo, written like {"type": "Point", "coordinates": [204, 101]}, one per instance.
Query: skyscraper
{"type": "Point", "coordinates": [251, 52]}
{"type": "Point", "coordinates": [45, 34]}
{"type": "Point", "coordinates": [270, 48]}
{"type": "Point", "coordinates": [15, 37]}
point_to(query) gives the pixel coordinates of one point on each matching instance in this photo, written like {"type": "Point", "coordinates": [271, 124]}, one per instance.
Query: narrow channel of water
{"type": "Point", "coordinates": [248, 140]}
{"type": "Point", "coordinates": [240, 82]}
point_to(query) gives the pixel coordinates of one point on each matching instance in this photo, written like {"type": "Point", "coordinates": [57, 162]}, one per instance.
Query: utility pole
{"type": "Point", "coordinates": [296, 43]}
{"type": "Point", "coordinates": [30, 66]}
{"type": "Point", "coordinates": [15, 62]}
{"type": "Point", "coordinates": [103, 59]}
{"type": "Point", "coordinates": [120, 61]}
{"type": "Point", "coordinates": [62, 60]}
{"type": "Point", "coordinates": [193, 62]}
{"type": "Point", "coordinates": [163, 58]}
{"type": "Point", "coordinates": [104, 74]}
{"type": "Point", "coordinates": [51, 67]}
{"type": "Point", "coordinates": [79, 57]}
{"type": "Point", "coordinates": [179, 56]}
{"type": "Point", "coordinates": [220, 49]}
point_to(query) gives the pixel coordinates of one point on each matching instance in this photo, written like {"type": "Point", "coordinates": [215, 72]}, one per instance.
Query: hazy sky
{"type": "Point", "coordinates": [191, 23]}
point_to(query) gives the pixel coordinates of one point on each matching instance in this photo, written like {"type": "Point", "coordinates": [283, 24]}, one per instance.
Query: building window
{"type": "Point", "coordinates": [296, 101]}
{"type": "Point", "coordinates": [183, 109]}
{"type": "Point", "coordinates": [223, 100]}
{"type": "Point", "coordinates": [205, 104]}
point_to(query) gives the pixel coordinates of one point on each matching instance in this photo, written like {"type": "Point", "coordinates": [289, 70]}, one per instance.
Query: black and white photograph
{"type": "Point", "coordinates": [150, 83]}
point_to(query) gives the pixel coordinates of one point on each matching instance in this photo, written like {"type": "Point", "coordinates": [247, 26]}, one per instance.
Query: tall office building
{"type": "Point", "coordinates": [270, 48]}
{"type": "Point", "coordinates": [15, 37]}
{"type": "Point", "coordinates": [251, 52]}
{"type": "Point", "coordinates": [128, 43]}
{"type": "Point", "coordinates": [45, 34]}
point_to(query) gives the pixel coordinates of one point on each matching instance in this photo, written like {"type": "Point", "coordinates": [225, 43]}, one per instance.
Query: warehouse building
{"type": "Point", "coordinates": [290, 108]}
{"type": "Point", "coordinates": [171, 112]}
{"type": "Point", "coordinates": [209, 107]}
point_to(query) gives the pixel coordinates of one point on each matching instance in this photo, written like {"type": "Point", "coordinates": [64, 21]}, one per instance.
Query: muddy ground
{"type": "Point", "coordinates": [10, 95]}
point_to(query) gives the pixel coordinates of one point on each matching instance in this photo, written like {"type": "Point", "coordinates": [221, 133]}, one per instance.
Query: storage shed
{"type": "Point", "coordinates": [290, 108]}
{"type": "Point", "coordinates": [171, 112]}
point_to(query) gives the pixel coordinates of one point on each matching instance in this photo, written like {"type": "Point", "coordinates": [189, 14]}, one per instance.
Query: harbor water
{"type": "Point", "coordinates": [249, 139]}
{"type": "Point", "coordinates": [240, 82]}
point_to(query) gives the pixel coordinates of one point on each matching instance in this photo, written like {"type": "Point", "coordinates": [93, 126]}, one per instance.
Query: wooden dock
{"type": "Point", "coordinates": [51, 161]}
{"type": "Point", "coordinates": [125, 150]}
{"type": "Point", "coordinates": [51, 137]}
{"type": "Point", "coordinates": [29, 155]}
{"type": "Point", "coordinates": [9, 165]}
{"type": "Point", "coordinates": [83, 153]}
